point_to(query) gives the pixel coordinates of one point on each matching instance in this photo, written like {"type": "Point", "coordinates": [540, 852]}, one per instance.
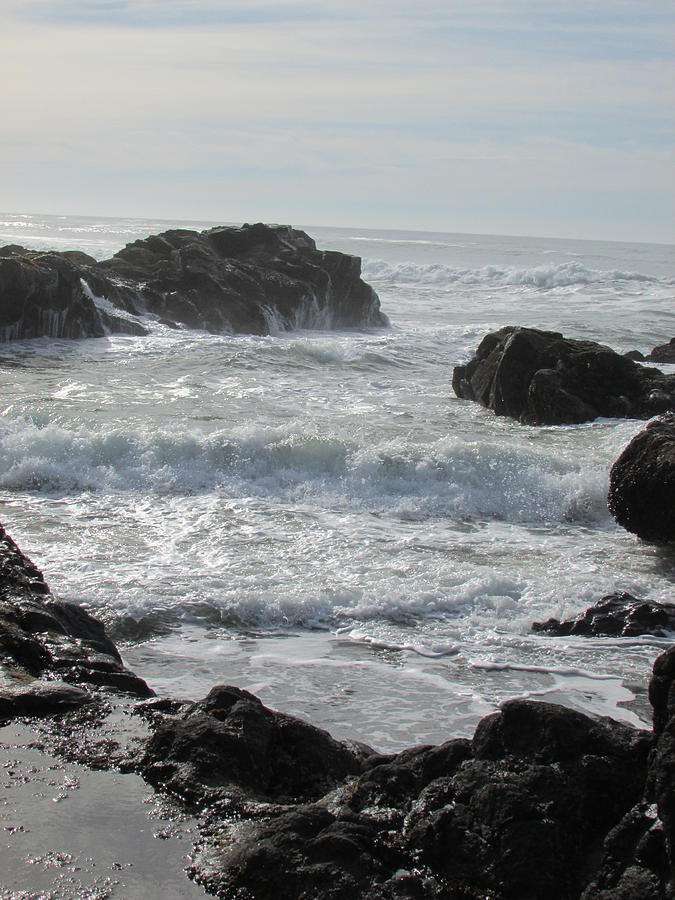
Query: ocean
{"type": "Point", "coordinates": [314, 516]}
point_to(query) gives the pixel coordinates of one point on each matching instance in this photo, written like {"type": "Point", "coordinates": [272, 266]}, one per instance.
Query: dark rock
{"type": "Point", "coordinates": [664, 353]}
{"type": "Point", "coordinates": [615, 615]}
{"type": "Point", "coordinates": [41, 637]}
{"type": "Point", "coordinates": [639, 852]}
{"type": "Point", "coordinates": [642, 483]}
{"type": "Point", "coordinates": [635, 355]}
{"type": "Point", "coordinates": [230, 743]}
{"type": "Point", "coordinates": [244, 280]}
{"type": "Point", "coordinates": [40, 698]}
{"type": "Point", "coordinates": [542, 378]}
{"type": "Point", "coordinates": [47, 294]}
{"type": "Point", "coordinates": [519, 812]}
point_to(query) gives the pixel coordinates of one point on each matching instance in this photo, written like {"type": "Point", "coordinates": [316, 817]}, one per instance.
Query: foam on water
{"type": "Point", "coordinates": [567, 274]}
{"type": "Point", "coordinates": [314, 516]}
{"type": "Point", "coordinates": [452, 477]}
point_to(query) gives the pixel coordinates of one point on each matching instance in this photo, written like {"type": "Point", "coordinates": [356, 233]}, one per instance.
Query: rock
{"type": "Point", "coordinates": [252, 279]}
{"type": "Point", "coordinates": [229, 743]}
{"type": "Point", "coordinates": [46, 294]}
{"type": "Point", "coordinates": [542, 378]}
{"type": "Point", "coordinates": [40, 698]}
{"type": "Point", "coordinates": [639, 852]}
{"type": "Point", "coordinates": [615, 615]}
{"type": "Point", "coordinates": [41, 637]}
{"type": "Point", "coordinates": [517, 813]}
{"type": "Point", "coordinates": [642, 483]}
{"type": "Point", "coordinates": [664, 353]}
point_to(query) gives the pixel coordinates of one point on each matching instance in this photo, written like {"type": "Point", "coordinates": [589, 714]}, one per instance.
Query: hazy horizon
{"type": "Point", "coordinates": [308, 226]}
{"type": "Point", "coordinates": [513, 117]}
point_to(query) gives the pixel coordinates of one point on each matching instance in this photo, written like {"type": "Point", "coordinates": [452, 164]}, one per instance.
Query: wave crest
{"type": "Point", "coordinates": [566, 274]}
{"type": "Point", "coordinates": [450, 477]}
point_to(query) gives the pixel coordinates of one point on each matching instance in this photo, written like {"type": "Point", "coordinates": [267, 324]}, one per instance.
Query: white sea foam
{"type": "Point", "coordinates": [449, 477]}
{"type": "Point", "coordinates": [239, 490]}
{"type": "Point", "coordinates": [568, 274]}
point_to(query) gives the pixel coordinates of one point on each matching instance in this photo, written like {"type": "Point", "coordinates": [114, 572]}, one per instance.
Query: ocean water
{"type": "Point", "coordinates": [314, 516]}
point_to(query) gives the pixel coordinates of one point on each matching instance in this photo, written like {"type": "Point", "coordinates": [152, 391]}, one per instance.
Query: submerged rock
{"type": "Point", "coordinates": [45, 638]}
{"type": "Point", "coordinates": [642, 483]}
{"type": "Point", "coordinates": [542, 378]}
{"type": "Point", "coordinates": [252, 279]}
{"type": "Point", "coordinates": [615, 615]}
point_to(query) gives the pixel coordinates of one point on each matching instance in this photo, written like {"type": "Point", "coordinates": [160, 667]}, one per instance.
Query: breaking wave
{"type": "Point", "coordinates": [453, 477]}
{"type": "Point", "coordinates": [566, 274]}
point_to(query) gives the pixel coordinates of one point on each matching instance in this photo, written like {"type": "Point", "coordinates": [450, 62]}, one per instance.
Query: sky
{"type": "Point", "coordinates": [521, 117]}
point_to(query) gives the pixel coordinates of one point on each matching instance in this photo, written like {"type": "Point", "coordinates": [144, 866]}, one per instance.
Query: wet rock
{"type": "Point", "coordinates": [616, 615]}
{"type": "Point", "coordinates": [639, 852]}
{"type": "Point", "coordinates": [40, 698]}
{"type": "Point", "coordinates": [41, 637]}
{"type": "Point", "coordinates": [252, 279]}
{"type": "Point", "coordinates": [642, 483]}
{"type": "Point", "coordinates": [229, 743]}
{"type": "Point", "coordinates": [519, 812]}
{"type": "Point", "coordinates": [664, 353]}
{"type": "Point", "coordinates": [542, 378]}
{"type": "Point", "coordinates": [47, 295]}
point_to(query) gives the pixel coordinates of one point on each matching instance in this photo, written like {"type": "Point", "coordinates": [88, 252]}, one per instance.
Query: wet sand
{"type": "Point", "coordinates": [67, 831]}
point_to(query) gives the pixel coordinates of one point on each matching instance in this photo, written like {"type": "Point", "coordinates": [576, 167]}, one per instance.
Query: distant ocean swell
{"type": "Point", "coordinates": [566, 274]}
{"type": "Point", "coordinates": [447, 477]}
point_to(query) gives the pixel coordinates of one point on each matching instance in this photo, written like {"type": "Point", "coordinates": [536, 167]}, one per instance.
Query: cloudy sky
{"type": "Point", "coordinates": [491, 116]}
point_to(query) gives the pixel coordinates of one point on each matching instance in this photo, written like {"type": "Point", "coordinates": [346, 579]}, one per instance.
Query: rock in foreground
{"type": "Point", "coordinates": [44, 639]}
{"type": "Point", "coordinates": [542, 378]}
{"type": "Point", "coordinates": [642, 483]}
{"type": "Point", "coordinates": [230, 743]}
{"type": "Point", "coordinates": [252, 279]}
{"type": "Point", "coordinates": [519, 812]}
{"type": "Point", "coordinates": [544, 802]}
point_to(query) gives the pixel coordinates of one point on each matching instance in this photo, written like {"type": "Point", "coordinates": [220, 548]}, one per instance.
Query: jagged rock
{"type": "Point", "coordinates": [46, 294]}
{"type": "Point", "coordinates": [542, 378]}
{"type": "Point", "coordinates": [615, 615]}
{"type": "Point", "coordinates": [516, 813]}
{"type": "Point", "coordinates": [41, 637]}
{"type": "Point", "coordinates": [639, 852]}
{"type": "Point", "coordinates": [229, 743]}
{"type": "Point", "coordinates": [244, 280]}
{"type": "Point", "coordinates": [642, 483]}
{"type": "Point", "coordinates": [664, 353]}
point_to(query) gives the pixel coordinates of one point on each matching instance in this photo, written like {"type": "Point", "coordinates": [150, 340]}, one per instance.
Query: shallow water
{"type": "Point", "coordinates": [315, 516]}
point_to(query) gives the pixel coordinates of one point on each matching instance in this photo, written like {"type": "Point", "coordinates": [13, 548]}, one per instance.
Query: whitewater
{"type": "Point", "coordinates": [314, 516]}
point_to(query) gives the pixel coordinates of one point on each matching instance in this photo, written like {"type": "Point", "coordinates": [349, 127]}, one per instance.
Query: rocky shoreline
{"type": "Point", "coordinates": [542, 802]}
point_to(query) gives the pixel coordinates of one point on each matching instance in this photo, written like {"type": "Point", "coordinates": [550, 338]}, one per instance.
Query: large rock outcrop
{"type": "Point", "coordinates": [520, 812]}
{"type": "Point", "coordinates": [253, 279]}
{"type": "Point", "coordinates": [542, 378]}
{"type": "Point", "coordinates": [642, 483]}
